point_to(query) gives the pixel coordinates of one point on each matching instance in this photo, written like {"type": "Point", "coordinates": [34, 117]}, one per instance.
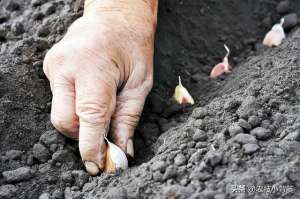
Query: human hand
{"type": "Point", "coordinates": [100, 74]}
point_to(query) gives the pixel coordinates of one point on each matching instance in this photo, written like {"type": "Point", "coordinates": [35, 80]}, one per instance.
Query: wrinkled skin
{"type": "Point", "coordinates": [100, 74]}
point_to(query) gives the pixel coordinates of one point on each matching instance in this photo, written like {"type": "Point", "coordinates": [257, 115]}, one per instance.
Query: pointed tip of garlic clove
{"type": "Point", "coordinates": [91, 168]}
{"type": "Point", "coordinates": [115, 158]}
{"type": "Point", "coordinates": [282, 21]}
{"type": "Point", "coordinates": [181, 94]}
{"type": "Point", "coordinates": [227, 51]}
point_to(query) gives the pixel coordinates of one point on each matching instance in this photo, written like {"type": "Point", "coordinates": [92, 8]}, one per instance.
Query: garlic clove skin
{"type": "Point", "coordinates": [275, 36]}
{"type": "Point", "coordinates": [115, 158]}
{"type": "Point", "coordinates": [223, 67]}
{"type": "Point", "coordinates": [91, 168]}
{"type": "Point", "coordinates": [218, 70]}
{"type": "Point", "coordinates": [181, 95]}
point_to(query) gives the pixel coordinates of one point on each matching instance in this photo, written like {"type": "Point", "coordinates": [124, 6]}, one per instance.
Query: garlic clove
{"type": "Point", "coordinates": [218, 70]}
{"type": "Point", "coordinates": [115, 158]}
{"type": "Point", "coordinates": [275, 36]}
{"type": "Point", "coordinates": [181, 95]}
{"type": "Point", "coordinates": [223, 67]}
{"type": "Point", "coordinates": [91, 168]}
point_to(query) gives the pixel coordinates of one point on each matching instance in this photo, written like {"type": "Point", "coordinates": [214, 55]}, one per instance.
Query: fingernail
{"type": "Point", "coordinates": [129, 148]}
{"type": "Point", "coordinates": [91, 168]}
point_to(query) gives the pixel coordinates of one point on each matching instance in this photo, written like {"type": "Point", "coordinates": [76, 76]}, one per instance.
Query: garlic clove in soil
{"type": "Point", "coordinates": [115, 158]}
{"type": "Point", "coordinates": [223, 67]}
{"type": "Point", "coordinates": [275, 36]}
{"type": "Point", "coordinates": [181, 95]}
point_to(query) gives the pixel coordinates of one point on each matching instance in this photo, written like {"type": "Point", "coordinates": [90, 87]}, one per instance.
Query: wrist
{"type": "Point", "coordinates": [94, 6]}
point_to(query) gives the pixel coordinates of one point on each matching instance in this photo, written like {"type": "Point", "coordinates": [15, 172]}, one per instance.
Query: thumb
{"type": "Point", "coordinates": [129, 107]}
{"type": "Point", "coordinates": [95, 102]}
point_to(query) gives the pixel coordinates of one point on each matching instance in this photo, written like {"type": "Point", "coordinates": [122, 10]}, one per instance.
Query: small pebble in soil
{"type": "Point", "coordinates": [17, 28]}
{"type": "Point", "coordinates": [261, 133]}
{"type": "Point", "coordinates": [293, 136]}
{"type": "Point", "coordinates": [177, 191]}
{"type": "Point", "coordinates": [231, 104]}
{"type": "Point", "coordinates": [199, 124]}
{"type": "Point", "coordinates": [157, 176]}
{"type": "Point", "coordinates": [67, 177]}
{"type": "Point", "coordinates": [41, 44]}
{"type": "Point", "coordinates": [220, 196]}
{"type": "Point", "coordinates": [235, 129]}
{"type": "Point", "coordinates": [57, 194]}
{"type": "Point", "coordinates": [195, 157]}
{"type": "Point", "coordinates": [158, 166]}
{"type": "Point", "coordinates": [48, 8]}
{"type": "Point", "coordinates": [80, 177]}
{"type": "Point", "coordinates": [214, 158]}
{"type": "Point", "coordinates": [248, 107]}
{"type": "Point", "coordinates": [254, 121]}
{"type": "Point", "coordinates": [180, 160]}
{"type": "Point", "coordinates": [45, 196]}
{"type": "Point", "coordinates": [52, 137]}
{"type": "Point", "coordinates": [171, 172]}
{"type": "Point", "coordinates": [244, 124]}
{"type": "Point", "coordinates": [38, 16]}
{"type": "Point", "coordinates": [44, 168]}
{"type": "Point", "coordinates": [63, 156]}
{"type": "Point", "coordinates": [40, 152]}
{"type": "Point", "coordinates": [201, 145]}
{"type": "Point", "coordinates": [43, 31]}
{"type": "Point", "coordinates": [29, 160]}
{"type": "Point", "coordinates": [265, 124]}
{"type": "Point", "coordinates": [117, 192]}
{"type": "Point", "coordinates": [290, 21]}
{"type": "Point", "coordinates": [37, 2]}
{"type": "Point", "coordinates": [250, 148]}
{"type": "Point", "coordinates": [199, 113]}
{"type": "Point", "coordinates": [243, 138]}
{"type": "Point", "coordinates": [200, 175]}
{"type": "Point", "coordinates": [283, 108]}
{"type": "Point", "coordinates": [3, 18]}
{"type": "Point", "coordinates": [12, 5]}
{"type": "Point", "coordinates": [8, 191]}
{"type": "Point", "coordinates": [199, 135]}
{"type": "Point", "coordinates": [191, 144]}
{"type": "Point", "coordinates": [283, 7]}
{"type": "Point", "coordinates": [20, 174]}
{"type": "Point", "coordinates": [14, 154]}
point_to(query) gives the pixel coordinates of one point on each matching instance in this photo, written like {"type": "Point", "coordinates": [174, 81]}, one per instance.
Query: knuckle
{"type": "Point", "coordinates": [65, 125]}
{"type": "Point", "coordinates": [93, 113]}
{"type": "Point", "coordinates": [148, 84]}
{"type": "Point", "coordinates": [130, 119]}
{"type": "Point", "coordinates": [53, 57]}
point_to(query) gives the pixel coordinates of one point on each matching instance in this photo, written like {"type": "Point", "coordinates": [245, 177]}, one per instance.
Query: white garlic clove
{"type": "Point", "coordinates": [115, 158]}
{"type": "Point", "coordinates": [275, 36]}
{"type": "Point", "coordinates": [223, 67]}
{"type": "Point", "coordinates": [91, 168]}
{"type": "Point", "coordinates": [181, 95]}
